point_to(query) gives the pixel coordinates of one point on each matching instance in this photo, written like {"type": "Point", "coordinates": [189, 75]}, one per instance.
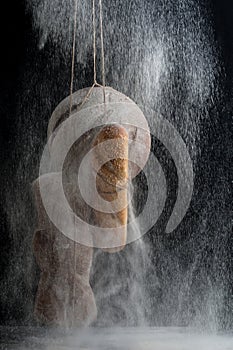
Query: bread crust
{"type": "Point", "coordinates": [112, 179]}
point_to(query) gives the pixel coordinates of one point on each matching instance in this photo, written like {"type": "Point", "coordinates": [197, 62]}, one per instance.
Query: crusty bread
{"type": "Point", "coordinates": [64, 296]}
{"type": "Point", "coordinates": [112, 179]}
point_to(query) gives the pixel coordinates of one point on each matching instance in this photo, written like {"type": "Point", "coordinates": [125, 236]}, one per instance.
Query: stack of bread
{"type": "Point", "coordinates": [64, 296]}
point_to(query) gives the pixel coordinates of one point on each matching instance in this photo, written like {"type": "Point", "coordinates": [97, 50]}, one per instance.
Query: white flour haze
{"type": "Point", "coordinates": [162, 55]}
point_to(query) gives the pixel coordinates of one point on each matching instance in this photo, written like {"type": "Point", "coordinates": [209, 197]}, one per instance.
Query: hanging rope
{"type": "Point", "coordinates": [94, 42]}
{"type": "Point", "coordinates": [94, 53]}
{"type": "Point", "coordinates": [73, 53]}
{"type": "Point", "coordinates": [102, 47]}
{"type": "Point", "coordinates": [95, 83]}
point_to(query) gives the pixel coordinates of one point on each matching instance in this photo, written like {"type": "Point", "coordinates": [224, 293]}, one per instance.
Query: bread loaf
{"type": "Point", "coordinates": [64, 296]}
{"type": "Point", "coordinates": [112, 179]}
